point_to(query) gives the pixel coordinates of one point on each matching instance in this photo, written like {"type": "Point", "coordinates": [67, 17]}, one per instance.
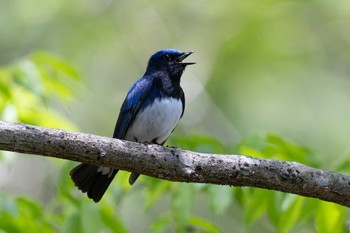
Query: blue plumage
{"type": "Point", "coordinates": [149, 113]}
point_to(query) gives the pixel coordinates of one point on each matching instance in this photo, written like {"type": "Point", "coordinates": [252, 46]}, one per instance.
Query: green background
{"type": "Point", "coordinates": [271, 81]}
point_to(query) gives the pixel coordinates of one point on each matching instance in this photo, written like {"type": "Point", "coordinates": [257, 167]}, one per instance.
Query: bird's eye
{"type": "Point", "coordinates": [167, 57]}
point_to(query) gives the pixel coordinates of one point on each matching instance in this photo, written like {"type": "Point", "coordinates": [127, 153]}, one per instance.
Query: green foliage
{"type": "Point", "coordinates": [29, 89]}
{"type": "Point", "coordinates": [276, 66]}
{"type": "Point", "coordinates": [23, 215]}
{"type": "Point", "coordinates": [330, 218]}
{"type": "Point", "coordinates": [287, 212]}
{"type": "Point", "coordinates": [219, 198]}
{"type": "Point", "coordinates": [30, 86]}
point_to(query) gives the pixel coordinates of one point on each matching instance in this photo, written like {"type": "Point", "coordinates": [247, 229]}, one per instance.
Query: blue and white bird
{"type": "Point", "coordinates": [150, 112]}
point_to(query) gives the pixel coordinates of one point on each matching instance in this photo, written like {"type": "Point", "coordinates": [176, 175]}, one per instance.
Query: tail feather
{"type": "Point", "coordinates": [133, 177]}
{"type": "Point", "coordinates": [88, 179]}
{"type": "Point", "coordinates": [83, 176]}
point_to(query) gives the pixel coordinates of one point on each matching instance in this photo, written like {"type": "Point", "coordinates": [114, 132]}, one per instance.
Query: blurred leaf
{"type": "Point", "coordinates": [293, 206]}
{"type": "Point", "coordinates": [160, 225]}
{"type": "Point", "coordinates": [90, 218]}
{"type": "Point", "coordinates": [111, 220]}
{"type": "Point", "coordinates": [330, 217]}
{"type": "Point", "coordinates": [71, 223]}
{"type": "Point", "coordinates": [220, 198]}
{"type": "Point", "coordinates": [53, 64]}
{"type": "Point", "coordinates": [204, 226]}
{"type": "Point", "coordinates": [246, 150]}
{"type": "Point", "coordinates": [27, 86]}
{"type": "Point", "coordinates": [199, 143]}
{"type": "Point", "coordinates": [274, 147]}
{"type": "Point", "coordinates": [287, 150]}
{"type": "Point", "coordinates": [21, 215]}
{"type": "Point", "coordinates": [5, 85]}
{"type": "Point", "coordinates": [27, 76]}
{"type": "Point", "coordinates": [255, 205]}
{"type": "Point", "coordinates": [29, 208]}
{"type": "Point", "coordinates": [341, 163]}
{"type": "Point", "coordinates": [182, 201]}
{"type": "Point", "coordinates": [273, 208]}
{"type": "Point", "coordinates": [67, 190]}
{"type": "Point", "coordinates": [155, 190]}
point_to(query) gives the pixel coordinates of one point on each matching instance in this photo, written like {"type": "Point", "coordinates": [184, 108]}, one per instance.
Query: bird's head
{"type": "Point", "coordinates": [170, 61]}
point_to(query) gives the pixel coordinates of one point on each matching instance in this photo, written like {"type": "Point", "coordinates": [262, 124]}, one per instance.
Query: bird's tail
{"type": "Point", "coordinates": [133, 177]}
{"type": "Point", "coordinates": [92, 179]}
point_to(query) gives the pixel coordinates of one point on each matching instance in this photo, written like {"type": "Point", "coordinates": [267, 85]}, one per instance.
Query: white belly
{"type": "Point", "coordinates": [156, 121]}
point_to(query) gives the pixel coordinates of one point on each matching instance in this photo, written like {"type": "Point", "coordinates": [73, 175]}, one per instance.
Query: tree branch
{"type": "Point", "coordinates": [175, 164]}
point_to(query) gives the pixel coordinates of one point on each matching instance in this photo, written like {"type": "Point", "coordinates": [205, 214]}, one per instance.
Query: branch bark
{"type": "Point", "coordinates": [175, 164]}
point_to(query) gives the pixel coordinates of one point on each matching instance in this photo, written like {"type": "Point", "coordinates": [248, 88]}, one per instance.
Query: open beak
{"type": "Point", "coordinates": [182, 57]}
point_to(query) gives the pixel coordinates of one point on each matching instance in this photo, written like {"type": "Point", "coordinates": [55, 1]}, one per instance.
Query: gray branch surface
{"type": "Point", "coordinates": [175, 164]}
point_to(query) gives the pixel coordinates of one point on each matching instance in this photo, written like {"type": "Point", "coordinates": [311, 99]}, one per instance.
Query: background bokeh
{"type": "Point", "coordinates": [263, 67]}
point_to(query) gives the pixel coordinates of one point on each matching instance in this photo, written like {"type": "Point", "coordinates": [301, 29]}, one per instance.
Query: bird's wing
{"type": "Point", "coordinates": [183, 104]}
{"type": "Point", "coordinates": [132, 104]}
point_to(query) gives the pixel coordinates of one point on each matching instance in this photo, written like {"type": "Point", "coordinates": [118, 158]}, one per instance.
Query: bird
{"type": "Point", "coordinates": [149, 114]}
